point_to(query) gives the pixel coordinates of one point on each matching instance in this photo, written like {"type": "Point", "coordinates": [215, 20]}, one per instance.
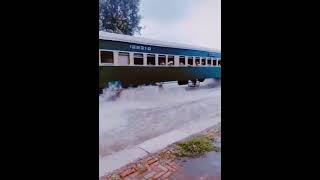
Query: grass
{"type": "Point", "coordinates": [195, 147]}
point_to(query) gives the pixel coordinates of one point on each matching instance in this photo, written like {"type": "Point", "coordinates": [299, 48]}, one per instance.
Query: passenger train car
{"type": "Point", "coordinates": [132, 61]}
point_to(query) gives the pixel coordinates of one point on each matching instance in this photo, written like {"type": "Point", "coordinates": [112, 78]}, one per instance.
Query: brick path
{"type": "Point", "coordinates": [160, 166]}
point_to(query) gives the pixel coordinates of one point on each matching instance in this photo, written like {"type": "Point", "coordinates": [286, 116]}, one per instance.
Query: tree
{"type": "Point", "coordinates": [119, 16]}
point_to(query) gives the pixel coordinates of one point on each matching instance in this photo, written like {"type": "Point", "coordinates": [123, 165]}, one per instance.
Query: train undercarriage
{"type": "Point", "coordinates": [122, 77]}
{"type": "Point", "coordinates": [118, 86]}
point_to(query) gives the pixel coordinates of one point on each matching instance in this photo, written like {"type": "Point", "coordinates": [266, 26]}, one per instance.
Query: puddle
{"type": "Point", "coordinates": [206, 167]}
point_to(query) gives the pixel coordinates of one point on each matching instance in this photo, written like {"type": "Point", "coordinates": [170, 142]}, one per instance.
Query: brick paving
{"type": "Point", "coordinates": [159, 166]}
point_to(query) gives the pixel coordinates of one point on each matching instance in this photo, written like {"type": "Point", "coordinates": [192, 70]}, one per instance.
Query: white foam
{"type": "Point", "coordinates": [143, 113]}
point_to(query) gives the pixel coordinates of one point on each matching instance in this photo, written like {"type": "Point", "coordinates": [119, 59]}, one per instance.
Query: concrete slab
{"type": "Point", "coordinates": [162, 141]}
{"type": "Point", "coordinates": [117, 160]}
{"type": "Point", "coordinates": [198, 126]}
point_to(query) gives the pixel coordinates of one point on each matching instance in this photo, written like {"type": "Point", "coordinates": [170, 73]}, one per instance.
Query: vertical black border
{"type": "Point", "coordinates": [53, 90]}
{"type": "Point", "coordinates": [267, 92]}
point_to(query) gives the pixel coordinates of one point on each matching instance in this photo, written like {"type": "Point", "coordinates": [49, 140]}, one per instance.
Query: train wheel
{"type": "Point", "coordinates": [134, 85]}
{"type": "Point", "coordinates": [100, 90]}
{"type": "Point", "coordinates": [159, 84]}
{"type": "Point", "coordinates": [124, 85]}
{"type": "Point", "coordinates": [192, 83]}
{"type": "Point", "coordinates": [182, 82]}
{"type": "Point", "coordinates": [201, 80]}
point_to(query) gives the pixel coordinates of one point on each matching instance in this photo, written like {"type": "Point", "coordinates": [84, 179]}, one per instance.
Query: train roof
{"type": "Point", "coordinates": [140, 40]}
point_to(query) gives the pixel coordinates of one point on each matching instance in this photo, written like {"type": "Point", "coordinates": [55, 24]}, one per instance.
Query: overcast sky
{"type": "Point", "coordinates": [195, 22]}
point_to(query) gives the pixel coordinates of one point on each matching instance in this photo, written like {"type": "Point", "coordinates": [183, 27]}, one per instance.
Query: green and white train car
{"type": "Point", "coordinates": [133, 61]}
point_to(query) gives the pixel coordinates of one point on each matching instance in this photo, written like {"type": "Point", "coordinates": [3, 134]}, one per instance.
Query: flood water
{"type": "Point", "coordinates": [142, 113]}
{"type": "Point", "coordinates": [206, 167]}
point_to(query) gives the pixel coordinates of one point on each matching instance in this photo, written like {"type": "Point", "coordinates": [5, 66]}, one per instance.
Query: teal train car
{"type": "Point", "coordinates": [132, 61]}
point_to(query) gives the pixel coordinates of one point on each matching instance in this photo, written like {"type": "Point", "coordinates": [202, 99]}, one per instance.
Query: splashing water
{"type": "Point", "coordinates": [138, 114]}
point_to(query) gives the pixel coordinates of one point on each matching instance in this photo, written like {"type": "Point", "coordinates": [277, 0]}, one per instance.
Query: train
{"type": "Point", "coordinates": [128, 61]}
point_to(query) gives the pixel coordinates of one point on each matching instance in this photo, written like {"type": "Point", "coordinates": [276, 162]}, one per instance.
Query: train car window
{"type": "Point", "coordinates": [209, 62]}
{"type": "Point", "coordinates": [138, 59]}
{"type": "Point", "coordinates": [151, 59]}
{"type": "Point", "coordinates": [197, 61]}
{"type": "Point", "coordinates": [123, 58]}
{"type": "Point", "coordinates": [190, 61]}
{"type": "Point", "coordinates": [182, 60]}
{"type": "Point", "coordinates": [106, 56]}
{"type": "Point", "coordinates": [171, 60]}
{"type": "Point", "coordinates": [203, 61]}
{"type": "Point", "coordinates": [219, 62]}
{"type": "Point", "coordinates": [162, 60]}
{"type": "Point", "coordinates": [214, 62]}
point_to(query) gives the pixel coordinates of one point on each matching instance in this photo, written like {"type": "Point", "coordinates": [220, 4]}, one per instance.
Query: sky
{"type": "Point", "coordinates": [194, 22]}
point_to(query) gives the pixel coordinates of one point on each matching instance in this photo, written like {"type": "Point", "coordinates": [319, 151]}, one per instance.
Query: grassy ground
{"type": "Point", "coordinates": [195, 147]}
